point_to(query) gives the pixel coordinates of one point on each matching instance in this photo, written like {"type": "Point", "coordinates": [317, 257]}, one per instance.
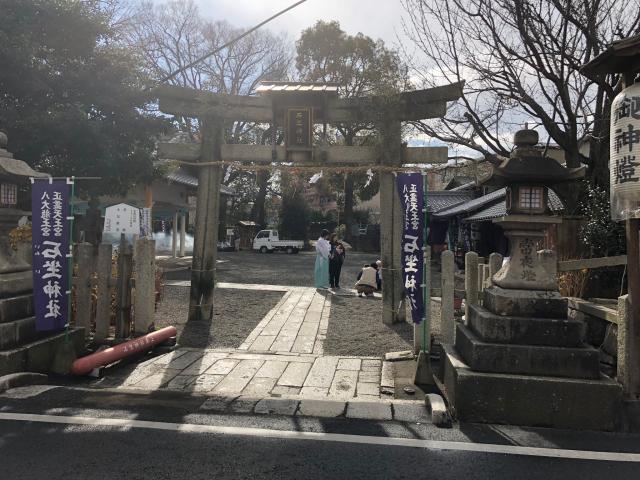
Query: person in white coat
{"type": "Point", "coordinates": [323, 249]}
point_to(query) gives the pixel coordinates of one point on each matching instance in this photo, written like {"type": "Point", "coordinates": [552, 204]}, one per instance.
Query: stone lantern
{"type": "Point", "coordinates": [17, 324]}
{"type": "Point", "coordinates": [517, 358]}
{"type": "Point", "coordinates": [527, 175]}
{"type": "Point", "coordinates": [14, 174]}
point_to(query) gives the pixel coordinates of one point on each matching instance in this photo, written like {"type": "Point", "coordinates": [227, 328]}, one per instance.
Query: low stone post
{"type": "Point", "coordinates": [105, 282]}
{"type": "Point", "coordinates": [495, 264]}
{"type": "Point", "coordinates": [125, 264]}
{"type": "Point", "coordinates": [447, 323]}
{"type": "Point", "coordinates": [145, 292]}
{"type": "Point", "coordinates": [83, 283]}
{"type": "Point", "coordinates": [470, 282]}
{"type": "Point", "coordinates": [174, 236]}
{"type": "Point", "coordinates": [183, 234]}
{"type": "Point", "coordinates": [623, 368]}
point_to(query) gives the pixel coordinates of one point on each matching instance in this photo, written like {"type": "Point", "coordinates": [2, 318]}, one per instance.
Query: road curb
{"type": "Point", "coordinates": [406, 411]}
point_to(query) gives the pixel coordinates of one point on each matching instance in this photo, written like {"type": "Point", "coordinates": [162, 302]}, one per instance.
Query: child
{"type": "Point", "coordinates": [368, 280]}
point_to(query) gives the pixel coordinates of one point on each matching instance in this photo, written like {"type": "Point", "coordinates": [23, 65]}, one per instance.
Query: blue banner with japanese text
{"type": "Point", "coordinates": [410, 188]}
{"type": "Point", "coordinates": [51, 254]}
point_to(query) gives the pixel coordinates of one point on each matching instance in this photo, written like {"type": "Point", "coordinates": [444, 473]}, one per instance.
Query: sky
{"type": "Point", "coordinates": [375, 18]}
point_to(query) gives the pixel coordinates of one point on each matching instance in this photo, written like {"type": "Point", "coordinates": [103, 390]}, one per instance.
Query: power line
{"type": "Point", "coordinates": [228, 44]}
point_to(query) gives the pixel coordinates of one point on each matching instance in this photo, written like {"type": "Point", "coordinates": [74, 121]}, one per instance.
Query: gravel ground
{"type": "Point", "coordinates": [356, 328]}
{"type": "Point", "coordinates": [236, 313]}
{"type": "Point", "coordinates": [277, 268]}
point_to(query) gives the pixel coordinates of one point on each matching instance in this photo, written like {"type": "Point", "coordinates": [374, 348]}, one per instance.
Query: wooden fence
{"type": "Point", "coordinates": [103, 301]}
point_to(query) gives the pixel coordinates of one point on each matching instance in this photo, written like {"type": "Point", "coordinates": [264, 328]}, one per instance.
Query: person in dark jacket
{"type": "Point", "coordinates": [336, 259]}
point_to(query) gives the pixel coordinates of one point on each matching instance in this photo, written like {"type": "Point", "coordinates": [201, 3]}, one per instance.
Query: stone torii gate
{"type": "Point", "coordinates": [297, 105]}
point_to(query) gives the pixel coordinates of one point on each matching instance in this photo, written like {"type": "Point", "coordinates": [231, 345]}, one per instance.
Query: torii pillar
{"type": "Point", "coordinates": [206, 224]}
{"type": "Point", "coordinates": [393, 305]}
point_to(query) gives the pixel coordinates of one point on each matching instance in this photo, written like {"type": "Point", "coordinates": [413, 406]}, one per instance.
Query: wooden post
{"type": "Point", "coordinates": [631, 333]}
{"type": "Point", "coordinates": [470, 282]}
{"type": "Point", "coordinates": [103, 307]}
{"type": "Point", "coordinates": [206, 235]}
{"type": "Point", "coordinates": [83, 286]}
{"type": "Point", "coordinates": [447, 324]}
{"type": "Point", "coordinates": [174, 235]}
{"type": "Point", "coordinates": [390, 222]}
{"type": "Point", "coordinates": [123, 296]}
{"type": "Point", "coordinates": [145, 298]}
{"type": "Point", "coordinates": [183, 233]}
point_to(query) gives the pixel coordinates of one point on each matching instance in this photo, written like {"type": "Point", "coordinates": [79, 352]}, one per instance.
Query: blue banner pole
{"type": "Point", "coordinates": [426, 274]}
{"type": "Point", "coordinates": [70, 262]}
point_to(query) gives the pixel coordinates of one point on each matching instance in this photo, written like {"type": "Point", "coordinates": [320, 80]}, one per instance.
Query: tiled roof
{"type": "Point", "coordinates": [440, 200]}
{"type": "Point", "coordinates": [472, 205]}
{"type": "Point", "coordinates": [500, 209]}
{"type": "Point", "coordinates": [183, 177]}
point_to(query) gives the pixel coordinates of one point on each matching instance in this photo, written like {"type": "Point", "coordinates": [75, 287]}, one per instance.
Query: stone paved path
{"type": "Point", "coordinates": [282, 357]}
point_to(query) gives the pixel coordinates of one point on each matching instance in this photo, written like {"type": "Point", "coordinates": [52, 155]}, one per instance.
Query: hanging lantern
{"type": "Point", "coordinates": [624, 162]}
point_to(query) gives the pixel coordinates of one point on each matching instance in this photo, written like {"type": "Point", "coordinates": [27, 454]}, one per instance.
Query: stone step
{"type": "Point", "coordinates": [583, 362]}
{"type": "Point", "coordinates": [525, 400]}
{"type": "Point", "coordinates": [15, 283]}
{"type": "Point", "coordinates": [17, 332]}
{"type": "Point", "coordinates": [525, 303]}
{"type": "Point", "coordinates": [14, 308]}
{"type": "Point", "coordinates": [494, 328]}
{"type": "Point", "coordinates": [37, 356]}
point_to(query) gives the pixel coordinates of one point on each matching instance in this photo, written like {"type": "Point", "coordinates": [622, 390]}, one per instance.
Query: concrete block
{"type": "Point", "coordinates": [277, 406]}
{"type": "Point", "coordinates": [21, 379]}
{"type": "Point", "coordinates": [322, 408]}
{"type": "Point", "coordinates": [12, 361]}
{"type": "Point", "coordinates": [40, 353]}
{"type": "Point", "coordinates": [369, 410]}
{"type": "Point", "coordinates": [15, 308]}
{"type": "Point", "coordinates": [527, 331]}
{"type": "Point", "coordinates": [8, 332]}
{"type": "Point", "coordinates": [25, 329]}
{"type": "Point", "coordinates": [243, 404]}
{"type": "Point", "coordinates": [530, 400]}
{"type": "Point", "coordinates": [409, 411]}
{"type": "Point", "coordinates": [16, 283]}
{"type": "Point", "coordinates": [527, 359]}
{"type": "Point", "coordinates": [217, 403]}
{"type": "Point", "coordinates": [595, 328]}
{"type": "Point", "coordinates": [438, 410]}
{"type": "Point", "coordinates": [525, 303]}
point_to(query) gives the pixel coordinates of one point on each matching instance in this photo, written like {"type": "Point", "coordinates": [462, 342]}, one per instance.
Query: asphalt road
{"type": "Point", "coordinates": [68, 433]}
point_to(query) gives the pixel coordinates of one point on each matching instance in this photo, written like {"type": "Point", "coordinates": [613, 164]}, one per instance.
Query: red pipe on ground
{"type": "Point", "coordinates": [84, 365]}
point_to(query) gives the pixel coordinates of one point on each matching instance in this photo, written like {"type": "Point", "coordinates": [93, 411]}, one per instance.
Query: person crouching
{"type": "Point", "coordinates": [368, 280]}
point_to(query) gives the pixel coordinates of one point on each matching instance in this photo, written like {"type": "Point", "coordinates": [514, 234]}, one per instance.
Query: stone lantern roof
{"type": "Point", "coordinates": [528, 164]}
{"type": "Point", "coordinates": [13, 169]}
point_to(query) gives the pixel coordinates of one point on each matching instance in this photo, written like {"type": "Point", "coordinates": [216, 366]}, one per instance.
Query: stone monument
{"type": "Point", "coordinates": [21, 347]}
{"type": "Point", "coordinates": [518, 359]}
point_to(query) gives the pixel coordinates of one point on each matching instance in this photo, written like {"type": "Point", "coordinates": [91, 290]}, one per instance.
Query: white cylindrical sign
{"type": "Point", "coordinates": [624, 162]}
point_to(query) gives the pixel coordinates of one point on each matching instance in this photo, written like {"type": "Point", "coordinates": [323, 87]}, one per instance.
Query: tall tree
{"type": "Point", "coordinates": [361, 67]}
{"type": "Point", "coordinates": [70, 93]}
{"type": "Point", "coordinates": [171, 35]}
{"type": "Point", "coordinates": [521, 61]}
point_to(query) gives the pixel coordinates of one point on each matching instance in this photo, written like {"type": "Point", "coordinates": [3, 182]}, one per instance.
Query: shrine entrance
{"type": "Point", "coordinates": [295, 109]}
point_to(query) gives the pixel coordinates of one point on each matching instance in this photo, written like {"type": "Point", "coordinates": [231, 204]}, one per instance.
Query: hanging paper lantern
{"type": "Point", "coordinates": [624, 162]}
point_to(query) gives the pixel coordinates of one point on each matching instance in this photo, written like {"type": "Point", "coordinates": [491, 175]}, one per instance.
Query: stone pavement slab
{"type": "Point", "coordinates": [369, 410]}
{"type": "Point", "coordinates": [294, 375]}
{"type": "Point", "coordinates": [277, 406]}
{"type": "Point", "coordinates": [321, 408]}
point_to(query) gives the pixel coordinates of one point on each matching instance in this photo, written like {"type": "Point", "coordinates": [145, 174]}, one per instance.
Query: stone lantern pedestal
{"type": "Point", "coordinates": [518, 359]}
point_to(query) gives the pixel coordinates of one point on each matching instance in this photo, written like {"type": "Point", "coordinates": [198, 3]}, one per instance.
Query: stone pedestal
{"type": "Point", "coordinates": [520, 360]}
